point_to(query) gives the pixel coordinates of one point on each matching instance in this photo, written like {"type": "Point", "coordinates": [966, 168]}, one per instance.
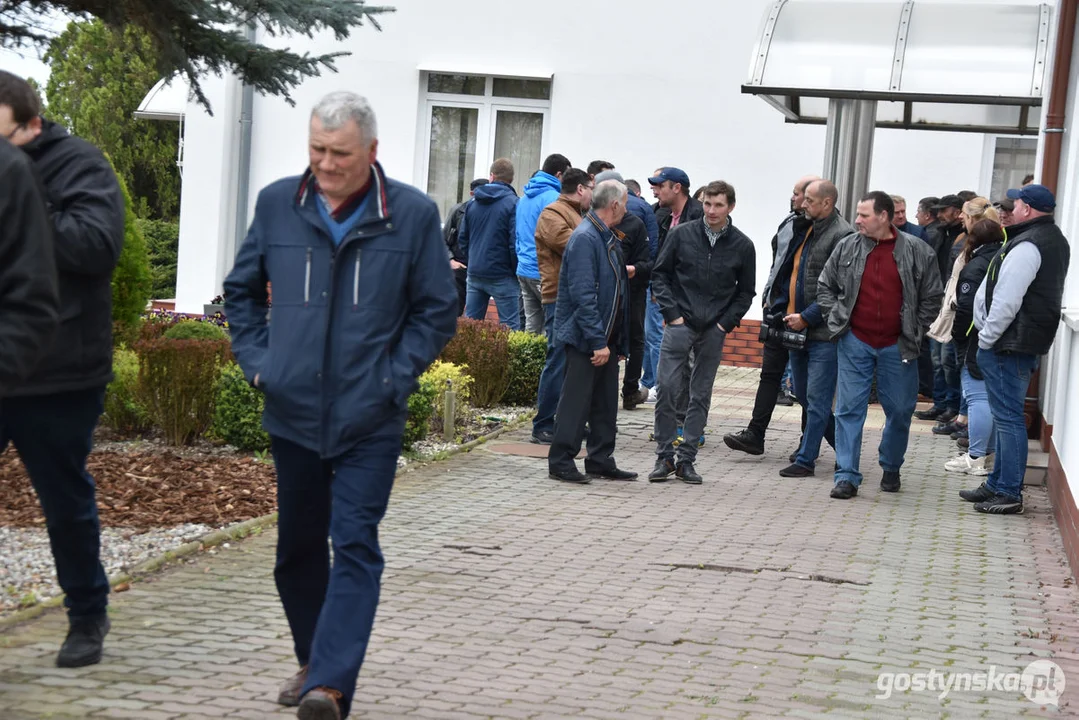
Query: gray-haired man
{"type": "Point", "coordinates": [349, 339]}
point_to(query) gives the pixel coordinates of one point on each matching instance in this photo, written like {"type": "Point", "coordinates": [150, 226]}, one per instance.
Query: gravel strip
{"type": "Point", "coordinates": [27, 574]}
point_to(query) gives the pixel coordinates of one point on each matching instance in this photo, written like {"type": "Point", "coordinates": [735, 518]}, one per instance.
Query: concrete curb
{"type": "Point", "coordinates": [237, 531]}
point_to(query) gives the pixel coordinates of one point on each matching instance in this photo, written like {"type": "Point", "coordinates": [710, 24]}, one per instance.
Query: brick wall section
{"type": "Point", "coordinates": [742, 348]}
{"type": "Point", "coordinates": [1067, 515]}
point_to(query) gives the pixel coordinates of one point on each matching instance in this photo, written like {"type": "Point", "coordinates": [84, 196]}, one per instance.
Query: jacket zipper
{"type": "Point", "coordinates": [307, 280]}
{"type": "Point", "coordinates": [617, 291]}
{"type": "Point", "coordinates": [356, 281]}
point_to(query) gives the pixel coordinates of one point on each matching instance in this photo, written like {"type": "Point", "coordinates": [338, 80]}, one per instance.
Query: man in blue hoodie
{"type": "Point", "coordinates": [488, 238]}
{"type": "Point", "coordinates": [364, 301]}
{"type": "Point", "coordinates": [542, 190]}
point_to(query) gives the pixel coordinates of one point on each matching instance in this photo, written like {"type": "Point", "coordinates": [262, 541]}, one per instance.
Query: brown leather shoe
{"type": "Point", "coordinates": [290, 689]}
{"type": "Point", "coordinates": [322, 703]}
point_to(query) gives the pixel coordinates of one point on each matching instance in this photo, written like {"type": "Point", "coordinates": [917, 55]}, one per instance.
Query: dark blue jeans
{"type": "Point", "coordinates": [1006, 380]}
{"type": "Point", "coordinates": [813, 371]}
{"type": "Point", "coordinates": [331, 610]}
{"type": "Point", "coordinates": [507, 295]}
{"type": "Point", "coordinates": [653, 340]}
{"type": "Point", "coordinates": [898, 393]}
{"type": "Point", "coordinates": [554, 373]}
{"type": "Point", "coordinates": [946, 384]}
{"type": "Point", "coordinates": [54, 435]}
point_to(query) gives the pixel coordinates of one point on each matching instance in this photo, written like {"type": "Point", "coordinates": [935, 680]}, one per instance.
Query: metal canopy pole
{"type": "Point", "coordinates": [848, 150]}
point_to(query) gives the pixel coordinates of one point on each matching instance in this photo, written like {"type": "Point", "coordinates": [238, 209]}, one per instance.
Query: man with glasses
{"type": "Point", "coordinates": [51, 415]}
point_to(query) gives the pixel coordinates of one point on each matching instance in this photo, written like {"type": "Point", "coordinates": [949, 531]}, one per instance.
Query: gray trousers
{"type": "Point", "coordinates": [674, 357]}
{"type": "Point", "coordinates": [533, 317]}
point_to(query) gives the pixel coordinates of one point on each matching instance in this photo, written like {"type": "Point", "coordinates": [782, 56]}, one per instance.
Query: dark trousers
{"type": "Point", "coordinates": [925, 370]}
{"type": "Point", "coordinates": [635, 361]}
{"type": "Point", "coordinates": [589, 394]}
{"type": "Point", "coordinates": [460, 276]}
{"type": "Point", "coordinates": [331, 610]}
{"type": "Point", "coordinates": [54, 435]}
{"type": "Point", "coordinates": [773, 365]}
{"type": "Point", "coordinates": [550, 384]}
{"type": "Point", "coordinates": [706, 347]}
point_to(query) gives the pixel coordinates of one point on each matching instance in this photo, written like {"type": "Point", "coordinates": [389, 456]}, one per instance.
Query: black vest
{"type": "Point", "coordinates": [1034, 327]}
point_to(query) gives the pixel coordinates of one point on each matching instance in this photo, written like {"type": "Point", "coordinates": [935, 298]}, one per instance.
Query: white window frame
{"type": "Point", "coordinates": [989, 154]}
{"type": "Point", "coordinates": [488, 105]}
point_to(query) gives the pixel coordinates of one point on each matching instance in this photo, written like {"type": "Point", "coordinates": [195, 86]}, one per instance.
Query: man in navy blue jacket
{"type": "Point", "coordinates": [592, 321]}
{"type": "Point", "coordinates": [488, 238]}
{"type": "Point", "coordinates": [363, 302]}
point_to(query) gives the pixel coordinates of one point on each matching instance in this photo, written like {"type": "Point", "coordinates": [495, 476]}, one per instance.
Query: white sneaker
{"type": "Point", "coordinates": [969, 466]}
{"type": "Point", "coordinates": [651, 396]}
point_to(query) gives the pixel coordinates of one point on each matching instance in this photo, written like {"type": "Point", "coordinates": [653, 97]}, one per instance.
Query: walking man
{"type": "Point", "coordinates": [592, 322]}
{"type": "Point", "coordinates": [349, 339]}
{"type": "Point", "coordinates": [50, 416]}
{"type": "Point", "coordinates": [880, 290]}
{"type": "Point", "coordinates": [703, 281]}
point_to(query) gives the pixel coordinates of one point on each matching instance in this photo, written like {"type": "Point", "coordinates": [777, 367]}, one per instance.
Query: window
{"type": "Point", "coordinates": [1013, 159]}
{"type": "Point", "coordinates": [473, 120]}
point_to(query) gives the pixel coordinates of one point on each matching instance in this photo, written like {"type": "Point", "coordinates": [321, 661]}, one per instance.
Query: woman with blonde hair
{"type": "Point", "coordinates": [975, 209]}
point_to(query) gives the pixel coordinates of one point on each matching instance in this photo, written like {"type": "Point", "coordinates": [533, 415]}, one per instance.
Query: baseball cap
{"type": "Point", "coordinates": [675, 175]}
{"type": "Point", "coordinates": [1038, 197]}
{"type": "Point", "coordinates": [1004, 204]}
{"type": "Point", "coordinates": [949, 201]}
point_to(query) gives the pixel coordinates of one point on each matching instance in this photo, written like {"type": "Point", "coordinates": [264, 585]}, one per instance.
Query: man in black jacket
{"type": "Point", "coordinates": [50, 417]}
{"type": "Point", "coordinates": [703, 280]}
{"type": "Point", "coordinates": [634, 238]}
{"type": "Point", "coordinates": [774, 356]}
{"type": "Point", "coordinates": [458, 259]}
{"type": "Point", "coordinates": [28, 293]}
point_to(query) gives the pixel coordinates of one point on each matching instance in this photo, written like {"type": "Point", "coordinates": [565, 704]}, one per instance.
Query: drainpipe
{"type": "Point", "coordinates": [1056, 112]}
{"type": "Point", "coordinates": [243, 178]}
{"type": "Point", "coordinates": [1055, 119]}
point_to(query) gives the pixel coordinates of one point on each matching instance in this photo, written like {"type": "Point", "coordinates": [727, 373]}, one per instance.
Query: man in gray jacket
{"type": "Point", "coordinates": [880, 290]}
{"type": "Point", "coordinates": [813, 366]}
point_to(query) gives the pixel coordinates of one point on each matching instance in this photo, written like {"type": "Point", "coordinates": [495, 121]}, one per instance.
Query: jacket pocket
{"type": "Point", "coordinates": [299, 274]}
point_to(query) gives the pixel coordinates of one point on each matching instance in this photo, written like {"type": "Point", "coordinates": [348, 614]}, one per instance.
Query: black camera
{"type": "Point", "coordinates": [774, 332]}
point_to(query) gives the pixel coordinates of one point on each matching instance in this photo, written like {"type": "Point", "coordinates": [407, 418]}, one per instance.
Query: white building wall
{"type": "Point", "coordinates": [636, 83]}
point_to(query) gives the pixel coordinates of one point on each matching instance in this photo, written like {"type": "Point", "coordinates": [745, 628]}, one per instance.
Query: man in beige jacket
{"type": "Point", "coordinates": [556, 223]}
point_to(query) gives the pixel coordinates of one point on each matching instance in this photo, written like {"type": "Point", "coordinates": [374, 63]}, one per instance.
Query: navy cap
{"type": "Point", "coordinates": [675, 175]}
{"type": "Point", "coordinates": [1038, 197]}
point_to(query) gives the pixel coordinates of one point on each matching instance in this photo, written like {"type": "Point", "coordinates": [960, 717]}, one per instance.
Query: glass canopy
{"type": "Point", "coordinates": [974, 67]}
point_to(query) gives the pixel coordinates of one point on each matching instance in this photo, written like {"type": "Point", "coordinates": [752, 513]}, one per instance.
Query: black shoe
{"type": "Point", "coordinates": [687, 474]}
{"type": "Point", "coordinates": [1001, 505]}
{"type": "Point", "coordinates": [84, 641]}
{"type": "Point", "coordinates": [570, 476]}
{"type": "Point", "coordinates": [793, 457]}
{"type": "Point", "coordinates": [663, 470]}
{"type": "Point", "coordinates": [631, 401]}
{"type": "Point", "coordinates": [794, 470]}
{"type": "Point", "coordinates": [844, 491]}
{"type": "Point", "coordinates": [611, 474]}
{"type": "Point", "coordinates": [746, 441]}
{"type": "Point", "coordinates": [963, 442]}
{"type": "Point", "coordinates": [890, 481]}
{"type": "Point", "coordinates": [947, 428]}
{"type": "Point", "coordinates": [784, 398]}
{"type": "Point", "coordinates": [980, 494]}
{"type": "Point", "coordinates": [930, 414]}
{"type": "Point", "coordinates": [948, 415]}
{"type": "Point", "coordinates": [961, 433]}
{"type": "Point", "coordinates": [542, 437]}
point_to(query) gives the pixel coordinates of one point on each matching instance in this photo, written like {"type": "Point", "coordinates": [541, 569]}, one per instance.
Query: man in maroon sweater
{"type": "Point", "coordinates": [880, 291]}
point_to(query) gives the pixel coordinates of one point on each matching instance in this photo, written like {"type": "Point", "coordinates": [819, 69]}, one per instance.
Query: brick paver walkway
{"type": "Point", "coordinates": [508, 595]}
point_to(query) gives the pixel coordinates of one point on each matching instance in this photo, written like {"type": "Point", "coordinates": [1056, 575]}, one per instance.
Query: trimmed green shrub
{"type": "Point", "coordinates": [438, 374]}
{"type": "Point", "coordinates": [195, 330]}
{"type": "Point", "coordinates": [123, 411]}
{"type": "Point", "coordinates": [162, 244]}
{"type": "Point", "coordinates": [528, 353]}
{"type": "Point", "coordinates": [177, 379]}
{"type": "Point", "coordinates": [421, 406]}
{"type": "Point", "coordinates": [238, 411]}
{"type": "Point", "coordinates": [484, 347]}
{"type": "Point", "coordinates": [131, 278]}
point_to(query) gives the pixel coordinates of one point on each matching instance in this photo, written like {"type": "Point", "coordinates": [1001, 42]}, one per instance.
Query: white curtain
{"type": "Point", "coordinates": [453, 155]}
{"type": "Point", "coordinates": [518, 136]}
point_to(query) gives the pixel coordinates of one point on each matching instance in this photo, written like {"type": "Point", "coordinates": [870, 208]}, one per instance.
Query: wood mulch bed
{"type": "Point", "coordinates": [153, 488]}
